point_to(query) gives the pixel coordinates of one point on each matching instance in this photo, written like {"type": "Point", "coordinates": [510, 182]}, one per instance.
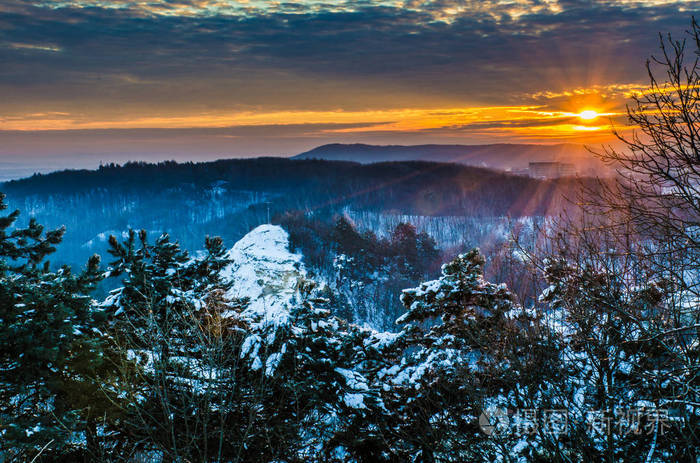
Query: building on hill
{"type": "Point", "coordinates": [552, 169]}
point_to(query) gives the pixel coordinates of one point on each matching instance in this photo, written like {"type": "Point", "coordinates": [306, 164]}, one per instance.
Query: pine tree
{"type": "Point", "coordinates": [177, 333]}
{"type": "Point", "coordinates": [47, 345]}
{"type": "Point", "coordinates": [347, 238]}
{"type": "Point", "coordinates": [307, 383]}
{"type": "Point", "coordinates": [404, 245]}
{"type": "Point", "coordinates": [468, 346]}
{"type": "Point", "coordinates": [427, 250]}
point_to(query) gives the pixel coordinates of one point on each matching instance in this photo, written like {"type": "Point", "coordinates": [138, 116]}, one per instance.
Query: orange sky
{"type": "Point", "coordinates": [89, 81]}
{"type": "Point", "coordinates": [577, 115]}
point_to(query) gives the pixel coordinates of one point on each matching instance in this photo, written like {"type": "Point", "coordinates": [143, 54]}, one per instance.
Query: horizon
{"type": "Point", "coordinates": [23, 172]}
{"type": "Point", "coordinates": [90, 81]}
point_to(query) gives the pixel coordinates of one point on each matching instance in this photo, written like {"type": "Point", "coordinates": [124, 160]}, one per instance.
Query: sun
{"type": "Point", "coordinates": [588, 115]}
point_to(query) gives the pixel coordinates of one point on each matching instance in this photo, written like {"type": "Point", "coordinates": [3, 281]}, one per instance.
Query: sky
{"type": "Point", "coordinates": [90, 81]}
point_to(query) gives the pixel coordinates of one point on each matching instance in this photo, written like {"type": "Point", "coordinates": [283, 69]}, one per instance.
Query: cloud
{"type": "Point", "coordinates": [35, 46]}
{"type": "Point", "coordinates": [484, 47]}
{"type": "Point", "coordinates": [343, 70]}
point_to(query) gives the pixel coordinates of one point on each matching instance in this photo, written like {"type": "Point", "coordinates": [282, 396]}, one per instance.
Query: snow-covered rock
{"type": "Point", "coordinates": [264, 270]}
{"type": "Point", "coordinates": [268, 274]}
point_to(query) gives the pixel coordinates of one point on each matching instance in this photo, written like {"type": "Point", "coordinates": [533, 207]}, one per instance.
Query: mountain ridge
{"type": "Point", "coordinates": [500, 156]}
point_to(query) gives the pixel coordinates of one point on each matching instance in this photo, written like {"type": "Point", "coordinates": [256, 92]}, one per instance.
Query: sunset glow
{"type": "Point", "coordinates": [527, 121]}
{"type": "Point", "coordinates": [154, 80]}
{"type": "Point", "coordinates": [588, 115]}
{"type": "Point", "coordinates": [345, 231]}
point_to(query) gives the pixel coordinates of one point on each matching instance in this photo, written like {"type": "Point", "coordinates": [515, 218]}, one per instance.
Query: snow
{"type": "Point", "coordinates": [354, 400]}
{"type": "Point", "coordinates": [272, 363]}
{"type": "Point", "coordinates": [265, 271]}
{"type": "Point", "coordinates": [251, 345]}
{"type": "Point", "coordinates": [357, 384]}
{"type": "Point", "coordinates": [353, 379]}
{"type": "Point", "coordinates": [379, 340]}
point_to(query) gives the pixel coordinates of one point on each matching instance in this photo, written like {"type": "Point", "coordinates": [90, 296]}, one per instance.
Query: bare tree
{"type": "Point", "coordinates": [625, 268]}
{"type": "Point", "coordinates": [657, 188]}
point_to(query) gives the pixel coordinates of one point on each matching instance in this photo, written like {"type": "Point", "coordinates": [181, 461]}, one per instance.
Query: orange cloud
{"type": "Point", "coordinates": [579, 114]}
{"type": "Point", "coordinates": [519, 121]}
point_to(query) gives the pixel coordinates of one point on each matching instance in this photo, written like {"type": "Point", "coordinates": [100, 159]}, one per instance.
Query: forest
{"type": "Point", "coordinates": [298, 310]}
{"type": "Point", "coordinates": [460, 207]}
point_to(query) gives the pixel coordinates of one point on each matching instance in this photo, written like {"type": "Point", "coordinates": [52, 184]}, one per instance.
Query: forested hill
{"type": "Point", "coordinates": [502, 156]}
{"type": "Point", "coordinates": [230, 197]}
{"type": "Point", "coordinates": [410, 187]}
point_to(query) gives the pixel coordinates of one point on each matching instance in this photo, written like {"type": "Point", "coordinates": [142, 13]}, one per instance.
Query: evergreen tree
{"type": "Point", "coordinates": [469, 346]}
{"type": "Point", "coordinates": [178, 334]}
{"type": "Point", "coordinates": [305, 376]}
{"type": "Point", "coordinates": [427, 251]}
{"type": "Point", "coordinates": [404, 245]}
{"type": "Point", "coordinates": [47, 345]}
{"type": "Point", "coordinates": [348, 239]}
{"type": "Point", "coordinates": [619, 384]}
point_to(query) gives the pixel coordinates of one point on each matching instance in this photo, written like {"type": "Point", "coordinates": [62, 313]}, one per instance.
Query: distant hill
{"type": "Point", "coordinates": [508, 157]}
{"type": "Point", "coordinates": [228, 198]}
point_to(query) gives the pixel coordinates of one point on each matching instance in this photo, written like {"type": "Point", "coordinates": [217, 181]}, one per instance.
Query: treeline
{"type": "Point", "coordinates": [313, 236]}
{"type": "Point", "coordinates": [228, 198]}
{"type": "Point", "coordinates": [421, 188]}
{"type": "Point", "coordinates": [171, 368]}
{"type": "Point", "coordinates": [367, 272]}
